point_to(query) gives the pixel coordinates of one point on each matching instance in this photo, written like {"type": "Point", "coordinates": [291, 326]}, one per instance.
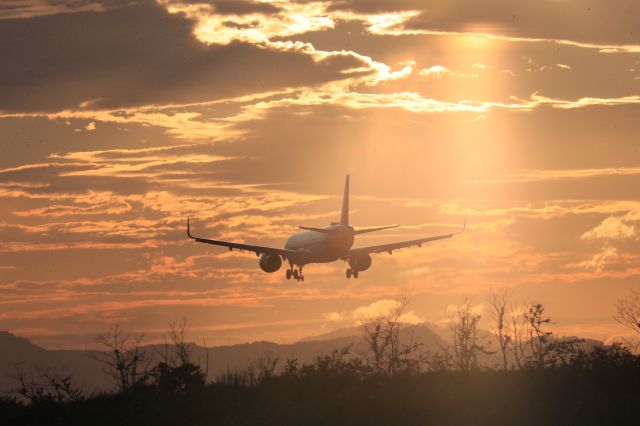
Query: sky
{"type": "Point", "coordinates": [118, 120]}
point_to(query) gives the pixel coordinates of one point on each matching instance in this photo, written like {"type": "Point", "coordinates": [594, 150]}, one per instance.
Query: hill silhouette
{"type": "Point", "coordinates": [601, 387]}
{"type": "Point", "coordinates": [385, 373]}
{"type": "Point", "coordinates": [90, 376]}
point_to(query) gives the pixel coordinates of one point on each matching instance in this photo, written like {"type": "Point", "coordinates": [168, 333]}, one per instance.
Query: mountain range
{"type": "Point", "coordinates": [88, 373]}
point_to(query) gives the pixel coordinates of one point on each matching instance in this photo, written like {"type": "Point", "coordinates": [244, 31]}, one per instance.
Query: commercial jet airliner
{"type": "Point", "coordinates": [323, 245]}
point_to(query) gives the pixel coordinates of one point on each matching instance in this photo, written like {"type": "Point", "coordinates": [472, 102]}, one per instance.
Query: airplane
{"type": "Point", "coordinates": [323, 245]}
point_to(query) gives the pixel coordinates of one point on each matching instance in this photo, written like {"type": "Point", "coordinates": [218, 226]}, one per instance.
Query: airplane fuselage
{"type": "Point", "coordinates": [321, 247]}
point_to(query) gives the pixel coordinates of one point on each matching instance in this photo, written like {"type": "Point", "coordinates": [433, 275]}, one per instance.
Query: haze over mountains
{"type": "Point", "coordinates": [89, 374]}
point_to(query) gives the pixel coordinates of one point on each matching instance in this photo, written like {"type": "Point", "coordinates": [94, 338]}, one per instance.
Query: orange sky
{"type": "Point", "coordinates": [119, 121]}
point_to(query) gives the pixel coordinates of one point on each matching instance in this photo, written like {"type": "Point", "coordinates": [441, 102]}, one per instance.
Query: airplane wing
{"type": "Point", "coordinates": [243, 247]}
{"type": "Point", "coordinates": [389, 248]}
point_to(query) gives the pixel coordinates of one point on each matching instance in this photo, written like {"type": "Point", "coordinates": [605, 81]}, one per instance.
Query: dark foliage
{"type": "Point", "coordinates": [600, 387]}
{"type": "Point", "coordinates": [184, 378]}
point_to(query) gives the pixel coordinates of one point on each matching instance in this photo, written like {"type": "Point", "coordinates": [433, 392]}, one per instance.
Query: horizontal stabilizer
{"type": "Point", "coordinates": [322, 230]}
{"type": "Point", "coordinates": [364, 231]}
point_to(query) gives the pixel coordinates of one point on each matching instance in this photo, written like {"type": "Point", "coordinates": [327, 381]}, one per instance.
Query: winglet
{"type": "Point", "coordinates": [188, 229]}
{"type": "Point", "coordinates": [464, 227]}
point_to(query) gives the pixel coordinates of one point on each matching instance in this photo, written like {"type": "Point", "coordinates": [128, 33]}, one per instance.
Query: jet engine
{"type": "Point", "coordinates": [270, 263]}
{"type": "Point", "coordinates": [363, 261]}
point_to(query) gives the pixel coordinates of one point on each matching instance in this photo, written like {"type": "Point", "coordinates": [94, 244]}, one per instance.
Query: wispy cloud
{"type": "Point", "coordinates": [566, 174]}
{"type": "Point", "coordinates": [600, 259]}
{"type": "Point", "coordinates": [438, 71]}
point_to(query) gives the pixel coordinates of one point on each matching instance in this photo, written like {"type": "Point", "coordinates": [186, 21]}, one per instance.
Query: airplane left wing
{"type": "Point", "coordinates": [244, 247]}
{"type": "Point", "coordinates": [389, 248]}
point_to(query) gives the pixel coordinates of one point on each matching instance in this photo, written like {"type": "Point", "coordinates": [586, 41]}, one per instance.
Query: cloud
{"type": "Point", "coordinates": [594, 24]}
{"type": "Point", "coordinates": [435, 71]}
{"type": "Point", "coordinates": [97, 204]}
{"type": "Point", "coordinates": [20, 9]}
{"type": "Point", "coordinates": [553, 175]}
{"type": "Point", "coordinates": [546, 210]}
{"type": "Point", "coordinates": [104, 64]}
{"type": "Point", "coordinates": [438, 71]}
{"type": "Point", "coordinates": [611, 228]}
{"type": "Point", "coordinates": [289, 19]}
{"type": "Point", "coordinates": [584, 102]}
{"type": "Point", "coordinates": [336, 95]}
{"type": "Point", "coordinates": [599, 260]}
{"type": "Point", "coordinates": [240, 7]}
{"type": "Point", "coordinates": [268, 85]}
{"type": "Point", "coordinates": [379, 308]}
{"type": "Point", "coordinates": [253, 32]}
{"type": "Point", "coordinates": [477, 309]}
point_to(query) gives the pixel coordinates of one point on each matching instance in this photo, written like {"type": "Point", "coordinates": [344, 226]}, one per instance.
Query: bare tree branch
{"type": "Point", "coordinates": [628, 314]}
{"type": "Point", "coordinates": [498, 312]}
{"type": "Point", "coordinates": [124, 360]}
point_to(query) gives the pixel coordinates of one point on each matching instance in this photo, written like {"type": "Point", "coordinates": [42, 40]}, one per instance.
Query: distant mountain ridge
{"type": "Point", "coordinates": [89, 374]}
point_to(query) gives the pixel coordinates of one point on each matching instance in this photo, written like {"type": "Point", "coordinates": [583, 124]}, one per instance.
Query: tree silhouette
{"type": "Point", "coordinates": [467, 346]}
{"type": "Point", "coordinates": [498, 313]}
{"type": "Point", "coordinates": [124, 359]}
{"type": "Point", "coordinates": [40, 384]}
{"type": "Point", "coordinates": [539, 337]}
{"type": "Point", "coordinates": [385, 352]}
{"type": "Point", "coordinates": [177, 372]}
{"type": "Point", "coordinates": [628, 314]}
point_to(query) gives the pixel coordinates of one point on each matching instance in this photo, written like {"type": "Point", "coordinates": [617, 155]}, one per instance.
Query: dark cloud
{"type": "Point", "coordinates": [237, 7]}
{"type": "Point", "coordinates": [589, 21]}
{"type": "Point", "coordinates": [12, 6]}
{"type": "Point", "coordinates": [136, 55]}
{"type": "Point", "coordinates": [508, 68]}
{"type": "Point", "coordinates": [14, 9]}
{"type": "Point", "coordinates": [243, 7]}
{"type": "Point", "coordinates": [78, 4]}
{"type": "Point", "coordinates": [375, 6]}
{"type": "Point", "coordinates": [11, 9]}
{"type": "Point", "coordinates": [31, 140]}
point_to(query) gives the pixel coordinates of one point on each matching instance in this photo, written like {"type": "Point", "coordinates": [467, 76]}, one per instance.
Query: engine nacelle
{"type": "Point", "coordinates": [270, 263]}
{"type": "Point", "coordinates": [364, 262]}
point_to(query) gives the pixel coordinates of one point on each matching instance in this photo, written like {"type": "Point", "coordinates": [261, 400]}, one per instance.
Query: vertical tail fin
{"type": "Point", "coordinates": [344, 218]}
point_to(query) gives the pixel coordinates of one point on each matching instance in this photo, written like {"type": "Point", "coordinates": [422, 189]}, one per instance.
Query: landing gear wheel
{"type": "Point", "coordinates": [288, 274]}
{"type": "Point", "coordinates": [296, 275]}
{"type": "Point", "coordinates": [348, 273]}
{"type": "Point", "coordinates": [301, 277]}
{"type": "Point", "coordinates": [355, 274]}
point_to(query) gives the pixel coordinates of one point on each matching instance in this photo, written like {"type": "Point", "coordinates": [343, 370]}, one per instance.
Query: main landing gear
{"type": "Point", "coordinates": [352, 270]}
{"type": "Point", "coordinates": [295, 273]}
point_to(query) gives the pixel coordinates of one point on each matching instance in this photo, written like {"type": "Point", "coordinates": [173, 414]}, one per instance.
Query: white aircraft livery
{"type": "Point", "coordinates": [323, 245]}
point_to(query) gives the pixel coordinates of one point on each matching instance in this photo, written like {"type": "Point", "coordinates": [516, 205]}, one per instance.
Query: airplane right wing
{"type": "Point", "coordinates": [389, 248]}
